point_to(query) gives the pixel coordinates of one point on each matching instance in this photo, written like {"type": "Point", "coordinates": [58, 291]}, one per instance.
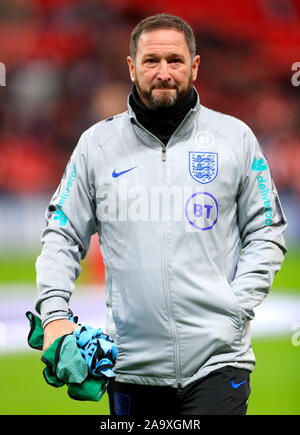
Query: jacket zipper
{"type": "Point", "coordinates": [166, 287]}
{"type": "Point", "coordinates": [165, 273]}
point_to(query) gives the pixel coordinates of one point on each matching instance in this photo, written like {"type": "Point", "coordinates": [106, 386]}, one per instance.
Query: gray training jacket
{"type": "Point", "coordinates": [191, 236]}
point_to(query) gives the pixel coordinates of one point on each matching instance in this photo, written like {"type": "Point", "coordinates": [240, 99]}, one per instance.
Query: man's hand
{"type": "Point", "coordinates": [56, 329]}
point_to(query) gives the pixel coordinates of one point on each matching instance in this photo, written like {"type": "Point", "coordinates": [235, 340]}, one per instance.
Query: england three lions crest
{"type": "Point", "coordinates": [203, 166]}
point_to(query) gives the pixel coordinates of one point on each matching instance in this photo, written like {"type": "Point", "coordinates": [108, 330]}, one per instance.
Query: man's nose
{"type": "Point", "coordinates": [163, 71]}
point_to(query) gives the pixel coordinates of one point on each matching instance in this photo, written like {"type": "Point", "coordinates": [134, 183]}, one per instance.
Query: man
{"type": "Point", "coordinates": [184, 272]}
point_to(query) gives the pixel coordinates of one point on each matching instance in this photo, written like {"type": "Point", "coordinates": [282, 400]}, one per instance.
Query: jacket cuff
{"type": "Point", "coordinates": [54, 308]}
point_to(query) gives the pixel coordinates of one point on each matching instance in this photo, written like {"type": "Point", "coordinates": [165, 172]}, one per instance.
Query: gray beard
{"type": "Point", "coordinates": [159, 103]}
{"type": "Point", "coordinates": [162, 102]}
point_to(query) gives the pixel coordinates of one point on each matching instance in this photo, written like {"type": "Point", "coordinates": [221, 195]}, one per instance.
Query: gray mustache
{"type": "Point", "coordinates": [164, 86]}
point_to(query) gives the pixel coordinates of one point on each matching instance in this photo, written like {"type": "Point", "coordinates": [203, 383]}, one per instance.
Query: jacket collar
{"type": "Point", "coordinates": [182, 130]}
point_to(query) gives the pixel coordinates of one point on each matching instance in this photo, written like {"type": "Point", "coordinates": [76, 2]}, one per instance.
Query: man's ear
{"type": "Point", "coordinates": [195, 66]}
{"type": "Point", "coordinates": [131, 67]}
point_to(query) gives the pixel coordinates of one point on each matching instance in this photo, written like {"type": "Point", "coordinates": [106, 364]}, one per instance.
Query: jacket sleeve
{"type": "Point", "coordinates": [70, 222]}
{"type": "Point", "coordinates": [261, 224]}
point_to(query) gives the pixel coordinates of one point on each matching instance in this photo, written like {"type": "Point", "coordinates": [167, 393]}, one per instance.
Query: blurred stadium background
{"type": "Point", "coordinates": [66, 69]}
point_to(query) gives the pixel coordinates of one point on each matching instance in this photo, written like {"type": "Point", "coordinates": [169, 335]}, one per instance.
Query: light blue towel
{"type": "Point", "coordinates": [98, 350]}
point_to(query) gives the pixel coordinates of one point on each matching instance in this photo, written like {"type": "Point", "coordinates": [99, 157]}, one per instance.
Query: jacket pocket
{"type": "Point", "coordinates": [116, 308]}
{"type": "Point", "coordinates": [236, 310]}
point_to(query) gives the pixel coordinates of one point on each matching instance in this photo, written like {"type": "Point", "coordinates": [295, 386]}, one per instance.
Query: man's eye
{"type": "Point", "coordinates": [175, 60]}
{"type": "Point", "coordinates": [150, 61]}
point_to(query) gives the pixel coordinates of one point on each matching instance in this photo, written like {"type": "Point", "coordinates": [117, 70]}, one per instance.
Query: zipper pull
{"type": "Point", "coordinates": [179, 388]}
{"type": "Point", "coordinates": [164, 151]}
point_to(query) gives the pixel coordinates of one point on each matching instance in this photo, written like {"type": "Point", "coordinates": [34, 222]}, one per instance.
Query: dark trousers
{"type": "Point", "coordinates": [223, 392]}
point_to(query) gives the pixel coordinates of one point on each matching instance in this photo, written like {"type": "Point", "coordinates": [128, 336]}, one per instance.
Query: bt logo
{"type": "Point", "coordinates": [201, 211]}
{"type": "Point", "coordinates": [198, 210]}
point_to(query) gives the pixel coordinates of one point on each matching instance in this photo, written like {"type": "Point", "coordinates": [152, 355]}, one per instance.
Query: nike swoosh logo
{"type": "Point", "coordinates": [117, 174]}
{"type": "Point", "coordinates": [234, 385]}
